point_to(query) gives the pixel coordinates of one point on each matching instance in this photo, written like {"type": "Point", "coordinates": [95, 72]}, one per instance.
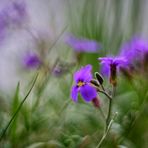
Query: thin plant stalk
{"type": "Point", "coordinates": [110, 106]}
{"type": "Point", "coordinates": [18, 109]}
{"type": "Point", "coordinates": [108, 120]}
{"type": "Point", "coordinates": [107, 131]}
{"type": "Point", "coordinates": [109, 113]}
{"type": "Point", "coordinates": [102, 113]}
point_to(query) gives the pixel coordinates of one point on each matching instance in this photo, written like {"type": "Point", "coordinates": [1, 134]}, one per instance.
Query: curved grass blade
{"type": "Point", "coordinates": [18, 109]}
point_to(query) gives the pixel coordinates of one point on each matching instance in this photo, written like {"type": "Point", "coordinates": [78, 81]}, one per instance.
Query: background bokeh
{"type": "Point", "coordinates": [49, 118]}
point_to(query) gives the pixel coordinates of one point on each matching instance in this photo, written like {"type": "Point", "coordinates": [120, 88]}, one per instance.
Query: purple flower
{"type": "Point", "coordinates": [12, 15]}
{"type": "Point", "coordinates": [31, 60]}
{"type": "Point", "coordinates": [83, 45]}
{"type": "Point", "coordinates": [82, 79]}
{"type": "Point", "coordinates": [111, 66]}
{"type": "Point", "coordinates": [16, 13]}
{"type": "Point", "coordinates": [134, 49]}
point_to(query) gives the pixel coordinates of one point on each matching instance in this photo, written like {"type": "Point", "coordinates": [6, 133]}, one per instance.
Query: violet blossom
{"type": "Point", "coordinates": [134, 49]}
{"type": "Point", "coordinates": [12, 15]}
{"type": "Point", "coordinates": [82, 44]}
{"type": "Point", "coordinates": [16, 13]}
{"type": "Point", "coordinates": [111, 66]}
{"type": "Point", "coordinates": [82, 79]}
{"type": "Point", "coordinates": [31, 61]}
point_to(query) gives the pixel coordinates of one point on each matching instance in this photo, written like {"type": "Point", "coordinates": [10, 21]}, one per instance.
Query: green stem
{"type": "Point", "coordinates": [18, 109]}
{"type": "Point", "coordinates": [40, 91]}
{"type": "Point", "coordinates": [103, 88]}
{"type": "Point", "coordinates": [102, 113]}
{"type": "Point", "coordinates": [107, 130]}
{"type": "Point", "coordinates": [105, 93]}
{"type": "Point", "coordinates": [110, 105]}
{"type": "Point", "coordinates": [64, 107]}
{"type": "Point", "coordinates": [108, 121]}
{"type": "Point", "coordinates": [113, 91]}
{"type": "Point", "coordinates": [57, 39]}
{"type": "Point", "coordinates": [109, 113]}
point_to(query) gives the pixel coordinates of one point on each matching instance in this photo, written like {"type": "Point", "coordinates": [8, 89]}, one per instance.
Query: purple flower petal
{"type": "Point", "coordinates": [88, 92]}
{"type": "Point", "coordinates": [74, 93]}
{"type": "Point", "coordinates": [105, 70]}
{"type": "Point", "coordinates": [113, 60]}
{"type": "Point", "coordinates": [107, 62]}
{"type": "Point", "coordinates": [120, 60]}
{"type": "Point", "coordinates": [83, 78]}
{"type": "Point", "coordinates": [84, 74]}
{"type": "Point", "coordinates": [82, 45]}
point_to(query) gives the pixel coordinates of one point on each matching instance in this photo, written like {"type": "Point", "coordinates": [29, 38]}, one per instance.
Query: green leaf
{"type": "Point", "coordinates": [15, 104]}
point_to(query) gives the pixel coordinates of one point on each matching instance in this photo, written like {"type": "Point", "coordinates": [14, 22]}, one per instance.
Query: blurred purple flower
{"type": "Point", "coordinates": [16, 13]}
{"type": "Point", "coordinates": [111, 66]}
{"type": "Point", "coordinates": [12, 14]}
{"type": "Point", "coordinates": [108, 62]}
{"type": "Point", "coordinates": [134, 49]}
{"type": "Point", "coordinates": [83, 85]}
{"type": "Point", "coordinates": [31, 60]}
{"type": "Point", "coordinates": [82, 45]}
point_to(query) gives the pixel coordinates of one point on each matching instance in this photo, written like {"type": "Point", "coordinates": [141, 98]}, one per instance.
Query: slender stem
{"type": "Point", "coordinates": [113, 91]}
{"type": "Point", "coordinates": [57, 39]}
{"type": "Point", "coordinates": [103, 88]}
{"type": "Point", "coordinates": [107, 131]}
{"type": "Point", "coordinates": [108, 120]}
{"type": "Point", "coordinates": [40, 92]}
{"type": "Point", "coordinates": [64, 106]}
{"type": "Point", "coordinates": [105, 134]}
{"type": "Point", "coordinates": [109, 113]}
{"type": "Point", "coordinates": [102, 113]}
{"type": "Point", "coordinates": [105, 93]}
{"type": "Point", "coordinates": [110, 106]}
{"type": "Point", "coordinates": [18, 109]}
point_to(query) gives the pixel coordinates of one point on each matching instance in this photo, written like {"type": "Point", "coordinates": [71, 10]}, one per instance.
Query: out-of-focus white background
{"type": "Point", "coordinates": [45, 17]}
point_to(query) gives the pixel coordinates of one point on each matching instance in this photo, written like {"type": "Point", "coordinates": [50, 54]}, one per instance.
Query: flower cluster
{"type": "Point", "coordinates": [134, 54]}
{"type": "Point", "coordinates": [133, 57]}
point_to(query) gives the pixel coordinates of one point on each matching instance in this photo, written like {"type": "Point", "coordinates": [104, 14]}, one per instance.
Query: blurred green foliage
{"type": "Point", "coordinates": [50, 119]}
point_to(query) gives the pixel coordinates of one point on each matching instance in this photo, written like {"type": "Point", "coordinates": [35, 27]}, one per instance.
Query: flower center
{"type": "Point", "coordinates": [80, 83]}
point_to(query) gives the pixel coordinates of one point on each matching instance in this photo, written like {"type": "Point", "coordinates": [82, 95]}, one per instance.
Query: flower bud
{"type": "Point", "coordinates": [99, 78]}
{"type": "Point", "coordinates": [96, 102]}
